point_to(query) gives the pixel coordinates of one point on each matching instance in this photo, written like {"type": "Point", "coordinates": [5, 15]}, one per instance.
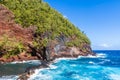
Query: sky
{"type": "Point", "coordinates": [99, 19]}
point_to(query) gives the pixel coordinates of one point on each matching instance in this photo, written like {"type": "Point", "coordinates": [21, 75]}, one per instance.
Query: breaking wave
{"type": "Point", "coordinates": [104, 66]}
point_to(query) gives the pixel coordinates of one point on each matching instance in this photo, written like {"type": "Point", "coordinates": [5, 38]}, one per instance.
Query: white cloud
{"type": "Point", "coordinates": [65, 16]}
{"type": "Point", "coordinates": [104, 45]}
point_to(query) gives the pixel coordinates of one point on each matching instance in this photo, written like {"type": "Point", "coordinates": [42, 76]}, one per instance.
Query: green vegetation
{"type": "Point", "coordinates": [47, 20]}
{"type": "Point", "coordinates": [10, 47]}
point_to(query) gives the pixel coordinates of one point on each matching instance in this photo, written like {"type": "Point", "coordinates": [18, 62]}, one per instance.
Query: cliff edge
{"type": "Point", "coordinates": [31, 29]}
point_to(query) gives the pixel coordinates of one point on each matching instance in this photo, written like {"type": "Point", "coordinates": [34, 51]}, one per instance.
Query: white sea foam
{"type": "Point", "coordinates": [12, 77]}
{"type": "Point", "coordinates": [66, 59]}
{"type": "Point", "coordinates": [101, 55]}
{"type": "Point", "coordinates": [29, 61]}
{"type": "Point", "coordinates": [59, 59]}
{"type": "Point", "coordinates": [107, 60]}
{"type": "Point", "coordinates": [94, 67]}
{"type": "Point", "coordinates": [91, 62]}
{"type": "Point", "coordinates": [104, 61]}
{"type": "Point", "coordinates": [76, 76]}
{"type": "Point", "coordinates": [114, 73]}
{"type": "Point", "coordinates": [110, 72]}
{"type": "Point", "coordinates": [73, 65]}
{"type": "Point", "coordinates": [39, 76]}
{"type": "Point", "coordinates": [52, 66]}
{"type": "Point", "coordinates": [115, 77]}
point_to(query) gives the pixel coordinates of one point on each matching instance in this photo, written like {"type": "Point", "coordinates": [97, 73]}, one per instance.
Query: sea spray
{"type": "Point", "coordinates": [103, 66]}
{"type": "Point", "coordinates": [97, 67]}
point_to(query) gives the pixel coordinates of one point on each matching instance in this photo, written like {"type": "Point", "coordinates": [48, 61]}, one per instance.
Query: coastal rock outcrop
{"type": "Point", "coordinates": [55, 48]}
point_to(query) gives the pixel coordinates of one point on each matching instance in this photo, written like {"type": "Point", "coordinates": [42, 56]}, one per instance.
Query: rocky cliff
{"type": "Point", "coordinates": [23, 38]}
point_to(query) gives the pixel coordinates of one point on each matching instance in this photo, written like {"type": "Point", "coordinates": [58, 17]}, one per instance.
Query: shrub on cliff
{"type": "Point", "coordinates": [10, 47]}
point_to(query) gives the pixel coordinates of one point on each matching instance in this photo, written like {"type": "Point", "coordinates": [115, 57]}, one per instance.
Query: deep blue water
{"type": "Point", "coordinates": [104, 66]}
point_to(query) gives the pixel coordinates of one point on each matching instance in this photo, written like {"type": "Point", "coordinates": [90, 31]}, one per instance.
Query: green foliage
{"type": "Point", "coordinates": [10, 47]}
{"type": "Point", "coordinates": [40, 43]}
{"type": "Point", "coordinates": [46, 19]}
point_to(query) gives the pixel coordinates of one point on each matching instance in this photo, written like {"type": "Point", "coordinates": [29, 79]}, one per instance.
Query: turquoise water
{"type": "Point", "coordinates": [104, 66]}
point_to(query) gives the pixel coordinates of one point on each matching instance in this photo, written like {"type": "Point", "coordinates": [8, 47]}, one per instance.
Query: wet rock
{"type": "Point", "coordinates": [23, 77]}
{"type": "Point", "coordinates": [31, 70]}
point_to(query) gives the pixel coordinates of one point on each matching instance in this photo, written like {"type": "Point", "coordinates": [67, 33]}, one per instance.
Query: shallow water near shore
{"type": "Point", "coordinates": [104, 66]}
{"type": "Point", "coordinates": [10, 70]}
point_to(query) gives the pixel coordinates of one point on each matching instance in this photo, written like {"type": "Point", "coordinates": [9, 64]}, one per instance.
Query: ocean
{"type": "Point", "coordinates": [104, 66]}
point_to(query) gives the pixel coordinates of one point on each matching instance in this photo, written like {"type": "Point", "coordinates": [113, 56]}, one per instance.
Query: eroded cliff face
{"type": "Point", "coordinates": [55, 48]}
{"type": "Point", "coordinates": [9, 28]}
{"type": "Point", "coordinates": [12, 34]}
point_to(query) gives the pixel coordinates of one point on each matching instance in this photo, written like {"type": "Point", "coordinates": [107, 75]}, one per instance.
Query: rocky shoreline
{"type": "Point", "coordinates": [44, 64]}
{"type": "Point", "coordinates": [20, 57]}
{"type": "Point", "coordinates": [31, 70]}
{"type": "Point", "coordinates": [25, 57]}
